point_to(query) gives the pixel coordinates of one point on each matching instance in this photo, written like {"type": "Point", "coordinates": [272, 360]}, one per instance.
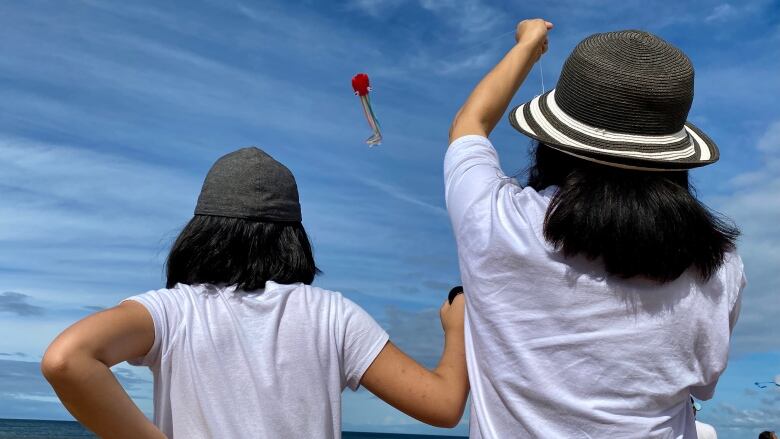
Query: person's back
{"type": "Point", "coordinates": [559, 339]}
{"type": "Point", "coordinates": [266, 363]}
{"type": "Point", "coordinates": [603, 294]}
{"type": "Point", "coordinates": [239, 342]}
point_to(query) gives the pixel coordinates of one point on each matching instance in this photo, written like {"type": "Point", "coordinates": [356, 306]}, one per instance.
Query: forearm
{"type": "Point", "coordinates": [438, 397]}
{"type": "Point", "coordinates": [95, 398]}
{"type": "Point", "coordinates": [489, 100]}
{"type": "Point", "coordinates": [435, 397]}
{"type": "Point", "coordinates": [452, 372]}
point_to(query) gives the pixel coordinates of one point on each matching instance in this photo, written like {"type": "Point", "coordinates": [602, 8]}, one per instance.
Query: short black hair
{"type": "Point", "coordinates": [242, 252]}
{"type": "Point", "coordinates": [767, 435]}
{"type": "Point", "coordinates": [639, 223]}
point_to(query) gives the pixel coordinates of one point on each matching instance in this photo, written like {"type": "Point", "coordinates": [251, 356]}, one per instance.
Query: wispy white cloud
{"type": "Point", "coordinates": [400, 194]}
{"type": "Point", "coordinates": [469, 17]}
{"type": "Point", "coordinates": [472, 34]}
{"type": "Point", "coordinates": [770, 140]}
{"type": "Point", "coordinates": [111, 112]}
{"type": "Point", "coordinates": [466, 61]}
{"type": "Point", "coordinates": [755, 206]}
{"type": "Point", "coordinates": [84, 228]}
{"type": "Point", "coordinates": [735, 421]}
{"type": "Point", "coordinates": [721, 12]}
{"type": "Point", "coordinates": [56, 189]}
{"type": "Point", "coordinates": [466, 17]}
{"type": "Point", "coordinates": [374, 8]}
{"type": "Point", "coordinates": [25, 394]}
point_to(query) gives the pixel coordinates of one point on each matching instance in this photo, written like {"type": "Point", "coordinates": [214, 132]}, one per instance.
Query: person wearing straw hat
{"type": "Point", "coordinates": [601, 294]}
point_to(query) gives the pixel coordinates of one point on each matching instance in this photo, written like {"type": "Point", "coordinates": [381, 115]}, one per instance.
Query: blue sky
{"type": "Point", "coordinates": [112, 112]}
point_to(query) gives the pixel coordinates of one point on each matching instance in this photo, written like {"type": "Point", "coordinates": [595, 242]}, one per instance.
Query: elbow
{"type": "Point", "coordinates": [58, 363]}
{"type": "Point", "coordinates": [54, 365]}
{"type": "Point", "coordinates": [450, 421]}
{"type": "Point", "coordinates": [449, 418]}
{"type": "Point", "coordinates": [454, 418]}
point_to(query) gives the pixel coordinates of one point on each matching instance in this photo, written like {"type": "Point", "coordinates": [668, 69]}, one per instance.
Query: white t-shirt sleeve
{"type": "Point", "coordinates": [735, 283]}
{"type": "Point", "coordinates": [471, 170]}
{"type": "Point", "coordinates": [164, 310]}
{"type": "Point", "coordinates": [736, 303]}
{"type": "Point", "coordinates": [362, 340]}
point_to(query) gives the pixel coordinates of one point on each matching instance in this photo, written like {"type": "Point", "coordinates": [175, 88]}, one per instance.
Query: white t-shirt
{"type": "Point", "coordinates": [266, 364]}
{"type": "Point", "coordinates": [705, 431]}
{"type": "Point", "coordinates": [555, 347]}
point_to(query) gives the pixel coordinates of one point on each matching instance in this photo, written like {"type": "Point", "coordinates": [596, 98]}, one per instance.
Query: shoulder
{"type": "Point", "coordinates": [541, 198]}
{"type": "Point", "coordinates": [733, 269]}
{"type": "Point", "coordinates": [731, 274]}
{"type": "Point", "coordinates": [468, 150]}
{"type": "Point", "coordinates": [301, 289]}
{"type": "Point", "coordinates": [733, 260]}
{"type": "Point", "coordinates": [469, 141]}
{"type": "Point", "coordinates": [343, 313]}
{"type": "Point", "coordinates": [315, 298]}
{"type": "Point", "coordinates": [171, 300]}
{"type": "Point", "coordinates": [161, 295]}
{"type": "Point", "coordinates": [335, 300]}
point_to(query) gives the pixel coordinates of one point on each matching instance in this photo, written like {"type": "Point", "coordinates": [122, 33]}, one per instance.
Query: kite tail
{"type": "Point", "coordinates": [376, 137]}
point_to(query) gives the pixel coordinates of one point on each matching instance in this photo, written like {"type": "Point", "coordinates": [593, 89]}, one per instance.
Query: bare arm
{"type": "Point", "coordinates": [435, 397]}
{"type": "Point", "coordinates": [77, 364]}
{"type": "Point", "coordinates": [489, 100]}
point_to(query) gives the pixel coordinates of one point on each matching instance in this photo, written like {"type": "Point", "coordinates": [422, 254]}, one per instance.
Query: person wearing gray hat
{"type": "Point", "coordinates": [239, 342]}
{"type": "Point", "coordinates": [601, 294]}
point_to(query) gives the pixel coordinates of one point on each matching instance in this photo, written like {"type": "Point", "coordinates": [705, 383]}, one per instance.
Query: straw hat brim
{"type": "Point", "coordinates": [543, 120]}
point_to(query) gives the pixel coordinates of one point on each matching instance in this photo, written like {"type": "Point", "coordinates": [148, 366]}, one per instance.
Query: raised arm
{"type": "Point", "coordinates": [77, 365]}
{"type": "Point", "coordinates": [435, 397]}
{"type": "Point", "coordinates": [489, 100]}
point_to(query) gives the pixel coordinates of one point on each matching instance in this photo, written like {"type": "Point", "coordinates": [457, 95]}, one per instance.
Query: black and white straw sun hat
{"type": "Point", "coordinates": [622, 100]}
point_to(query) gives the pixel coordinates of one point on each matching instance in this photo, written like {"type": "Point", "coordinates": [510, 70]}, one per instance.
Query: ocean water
{"type": "Point", "coordinates": [34, 429]}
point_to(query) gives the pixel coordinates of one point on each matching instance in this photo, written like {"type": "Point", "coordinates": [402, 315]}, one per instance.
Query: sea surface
{"type": "Point", "coordinates": [35, 429]}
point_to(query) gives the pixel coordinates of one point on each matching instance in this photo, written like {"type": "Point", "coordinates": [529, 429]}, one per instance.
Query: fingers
{"type": "Point", "coordinates": [458, 302]}
{"type": "Point", "coordinates": [547, 24]}
{"type": "Point", "coordinates": [452, 313]}
{"type": "Point", "coordinates": [454, 300]}
{"type": "Point", "coordinates": [445, 308]}
{"type": "Point", "coordinates": [534, 29]}
{"type": "Point", "coordinates": [454, 292]}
